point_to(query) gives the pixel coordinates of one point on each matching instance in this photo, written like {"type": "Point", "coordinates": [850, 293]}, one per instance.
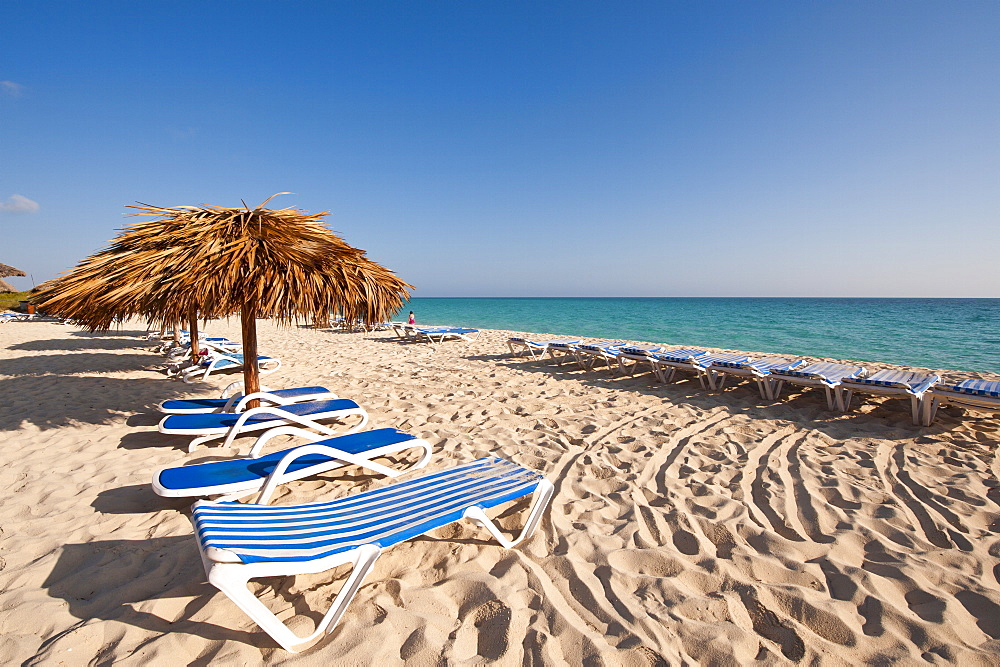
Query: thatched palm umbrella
{"type": "Point", "coordinates": [6, 271]}
{"type": "Point", "coordinates": [283, 264]}
{"type": "Point", "coordinates": [6, 286]}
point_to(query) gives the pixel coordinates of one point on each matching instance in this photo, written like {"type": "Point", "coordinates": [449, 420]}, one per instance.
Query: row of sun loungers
{"type": "Point", "coordinates": [216, 353]}
{"type": "Point", "coordinates": [838, 381]}
{"type": "Point", "coordinates": [243, 541]}
{"type": "Point", "coordinates": [432, 334]}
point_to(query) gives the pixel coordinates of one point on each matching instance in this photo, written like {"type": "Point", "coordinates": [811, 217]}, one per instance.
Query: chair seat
{"type": "Point", "coordinates": [221, 422]}
{"type": "Point", "coordinates": [825, 371]}
{"type": "Point", "coordinates": [382, 517]}
{"type": "Point", "coordinates": [182, 405]}
{"type": "Point", "coordinates": [682, 355]}
{"type": "Point", "coordinates": [217, 477]}
{"type": "Point", "coordinates": [895, 378]}
{"type": "Point", "coordinates": [989, 388]}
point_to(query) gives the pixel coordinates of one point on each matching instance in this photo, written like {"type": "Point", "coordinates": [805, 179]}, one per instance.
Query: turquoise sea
{"type": "Point", "coordinates": [956, 334]}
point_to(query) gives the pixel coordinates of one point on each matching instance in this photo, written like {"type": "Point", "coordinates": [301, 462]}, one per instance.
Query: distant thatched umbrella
{"type": "Point", "coordinates": [6, 270]}
{"type": "Point", "coordinates": [6, 286]}
{"type": "Point", "coordinates": [282, 264]}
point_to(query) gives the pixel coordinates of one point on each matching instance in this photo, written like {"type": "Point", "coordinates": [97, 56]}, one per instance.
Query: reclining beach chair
{"type": "Point", "coordinates": [536, 348]}
{"type": "Point", "coordinates": [588, 354]}
{"type": "Point", "coordinates": [239, 542]}
{"type": "Point", "coordinates": [890, 382]}
{"type": "Point", "coordinates": [638, 355]}
{"type": "Point", "coordinates": [237, 402]}
{"type": "Point", "coordinates": [217, 361]}
{"type": "Point", "coordinates": [560, 351]}
{"type": "Point", "coordinates": [215, 343]}
{"type": "Point", "coordinates": [666, 364]}
{"type": "Point", "coordinates": [981, 395]}
{"type": "Point", "coordinates": [206, 427]}
{"type": "Point", "coordinates": [440, 334]}
{"type": "Point", "coordinates": [824, 374]}
{"type": "Point", "coordinates": [758, 370]}
{"type": "Point", "coordinates": [240, 477]}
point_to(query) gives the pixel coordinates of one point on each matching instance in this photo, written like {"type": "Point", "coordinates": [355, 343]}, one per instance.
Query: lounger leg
{"type": "Point", "coordinates": [832, 399]}
{"type": "Point", "coordinates": [776, 389]}
{"type": "Point", "coordinates": [540, 499]}
{"type": "Point", "coordinates": [930, 411]}
{"type": "Point", "coordinates": [232, 580]}
{"type": "Point", "coordinates": [915, 406]}
{"type": "Point", "coordinates": [844, 399]}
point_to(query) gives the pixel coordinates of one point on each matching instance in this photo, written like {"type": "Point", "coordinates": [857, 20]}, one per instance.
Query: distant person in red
{"type": "Point", "coordinates": [412, 319]}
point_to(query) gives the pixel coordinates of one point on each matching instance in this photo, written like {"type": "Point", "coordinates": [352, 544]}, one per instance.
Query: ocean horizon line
{"type": "Point", "coordinates": [981, 298]}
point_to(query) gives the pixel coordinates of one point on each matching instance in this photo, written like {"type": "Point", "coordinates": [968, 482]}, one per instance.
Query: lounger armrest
{"type": "Point", "coordinates": [278, 475]}
{"type": "Point", "coordinates": [232, 387]}
{"type": "Point", "coordinates": [258, 445]}
{"type": "Point", "coordinates": [263, 396]}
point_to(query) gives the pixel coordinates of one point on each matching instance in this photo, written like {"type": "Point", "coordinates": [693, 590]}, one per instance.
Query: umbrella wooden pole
{"type": "Point", "coordinates": [193, 331]}
{"type": "Point", "coordinates": [251, 373]}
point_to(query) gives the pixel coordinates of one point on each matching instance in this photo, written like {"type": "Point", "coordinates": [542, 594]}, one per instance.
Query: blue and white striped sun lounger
{"type": "Point", "coordinates": [239, 542]}
{"type": "Point", "coordinates": [824, 374]}
{"type": "Point", "coordinates": [637, 354]}
{"type": "Point", "coordinates": [237, 402]}
{"type": "Point", "coordinates": [560, 351]}
{"type": "Point", "coordinates": [535, 348]}
{"type": "Point", "coordinates": [666, 364]}
{"type": "Point", "coordinates": [588, 354]}
{"type": "Point", "coordinates": [981, 395]}
{"type": "Point", "coordinates": [239, 477]}
{"type": "Point", "coordinates": [212, 426]}
{"type": "Point", "coordinates": [890, 382]}
{"type": "Point", "coordinates": [759, 370]}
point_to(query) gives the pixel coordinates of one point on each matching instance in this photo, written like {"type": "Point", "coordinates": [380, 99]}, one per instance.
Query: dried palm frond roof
{"type": "Point", "coordinates": [7, 287]}
{"type": "Point", "coordinates": [6, 270]}
{"type": "Point", "coordinates": [284, 264]}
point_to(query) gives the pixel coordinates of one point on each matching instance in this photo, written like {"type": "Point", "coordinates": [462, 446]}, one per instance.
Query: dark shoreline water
{"type": "Point", "coordinates": [956, 334]}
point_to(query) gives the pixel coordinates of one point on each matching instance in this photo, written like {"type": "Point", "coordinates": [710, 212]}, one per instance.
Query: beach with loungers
{"type": "Point", "coordinates": [595, 501]}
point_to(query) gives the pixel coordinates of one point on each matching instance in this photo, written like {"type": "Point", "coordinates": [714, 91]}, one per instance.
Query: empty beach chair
{"type": "Point", "coordinates": [890, 382]}
{"type": "Point", "coordinates": [440, 334]}
{"type": "Point", "coordinates": [239, 542]}
{"type": "Point", "coordinates": [536, 348]}
{"type": "Point", "coordinates": [758, 370]}
{"type": "Point", "coordinates": [216, 361]}
{"type": "Point", "coordinates": [560, 351]}
{"type": "Point", "coordinates": [631, 357]}
{"type": "Point", "coordinates": [589, 354]}
{"type": "Point", "coordinates": [666, 364]}
{"type": "Point", "coordinates": [237, 402]}
{"type": "Point", "coordinates": [824, 374]}
{"type": "Point", "coordinates": [239, 477]}
{"type": "Point", "coordinates": [206, 427]}
{"type": "Point", "coordinates": [981, 395]}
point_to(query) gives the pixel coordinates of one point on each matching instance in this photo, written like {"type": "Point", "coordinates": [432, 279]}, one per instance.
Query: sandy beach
{"type": "Point", "coordinates": [688, 526]}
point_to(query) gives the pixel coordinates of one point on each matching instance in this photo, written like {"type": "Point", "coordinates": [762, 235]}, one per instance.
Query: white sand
{"type": "Point", "coordinates": [687, 526]}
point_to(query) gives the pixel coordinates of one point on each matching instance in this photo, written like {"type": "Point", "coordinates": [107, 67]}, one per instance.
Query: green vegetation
{"type": "Point", "coordinates": [10, 300]}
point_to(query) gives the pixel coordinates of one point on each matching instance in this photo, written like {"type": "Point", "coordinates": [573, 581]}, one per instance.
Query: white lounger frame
{"type": "Point", "coordinates": [286, 419]}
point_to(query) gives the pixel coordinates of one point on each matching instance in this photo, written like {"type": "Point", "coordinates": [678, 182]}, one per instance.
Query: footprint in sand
{"type": "Point", "coordinates": [491, 627]}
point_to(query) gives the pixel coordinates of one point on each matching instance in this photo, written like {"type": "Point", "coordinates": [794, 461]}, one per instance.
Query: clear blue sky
{"type": "Point", "coordinates": [527, 148]}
